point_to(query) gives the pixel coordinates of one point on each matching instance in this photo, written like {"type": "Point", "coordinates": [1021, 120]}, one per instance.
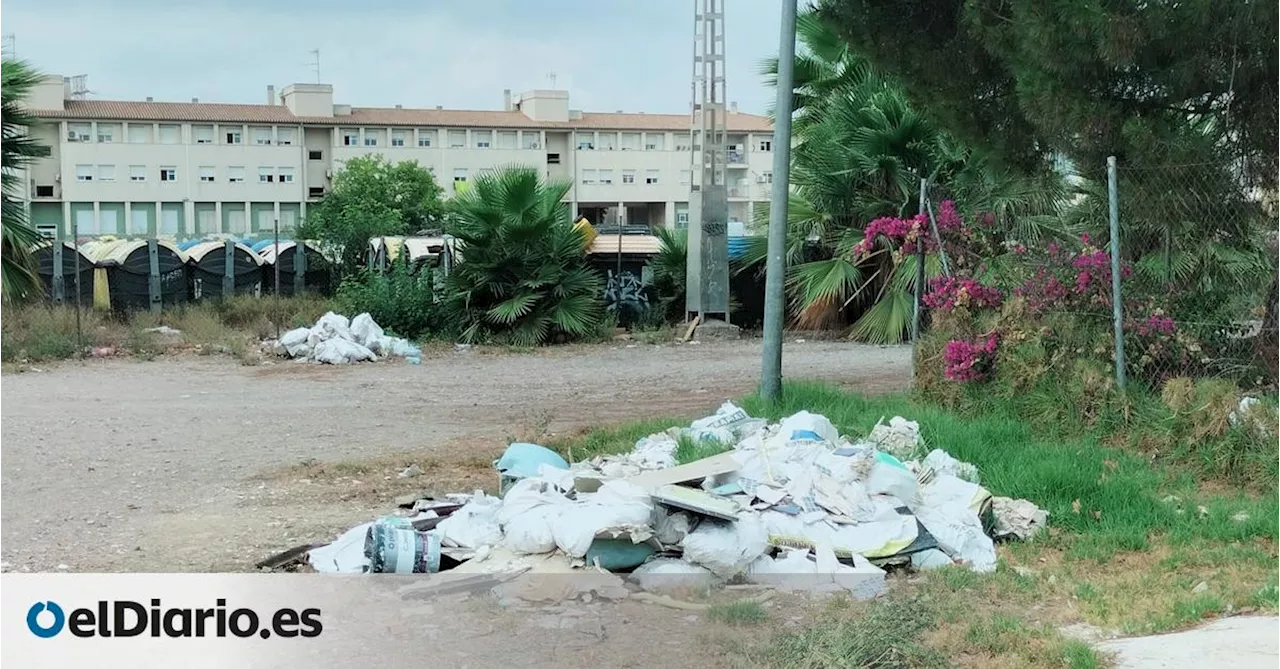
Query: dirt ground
{"type": "Point", "coordinates": [201, 464]}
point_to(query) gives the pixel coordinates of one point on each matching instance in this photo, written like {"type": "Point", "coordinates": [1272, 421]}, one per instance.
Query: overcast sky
{"type": "Point", "coordinates": [631, 55]}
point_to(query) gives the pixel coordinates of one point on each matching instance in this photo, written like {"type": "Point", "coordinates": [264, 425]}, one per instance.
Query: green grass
{"type": "Point", "coordinates": [887, 634]}
{"type": "Point", "coordinates": [741, 612]}
{"type": "Point", "coordinates": [689, 449]}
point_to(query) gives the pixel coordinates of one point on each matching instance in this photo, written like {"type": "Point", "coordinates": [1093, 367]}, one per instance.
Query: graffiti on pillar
{"type": "Point", "coordinates": [714, 228]}
{"type": "Point", "coordinates": [625, 296]}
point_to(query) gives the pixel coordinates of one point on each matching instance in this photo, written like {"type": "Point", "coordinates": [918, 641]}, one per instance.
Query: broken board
{"type": "Point", "coordinates": [712, 466]}
{"type": "Point", "coordinates": [697, 501]}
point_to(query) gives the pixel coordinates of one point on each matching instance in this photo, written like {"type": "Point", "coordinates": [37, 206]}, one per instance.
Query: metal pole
{"type": "Point", "coordinates": [276, 269]}
{"type": "Point", "coordinates": [75, 248]}
{"type": "Point", "coordinates": [1117, 309]}
{"type": "Point", "coordinates": [775, 266]}
{"type": "Point", "coordinates": [915, 314]}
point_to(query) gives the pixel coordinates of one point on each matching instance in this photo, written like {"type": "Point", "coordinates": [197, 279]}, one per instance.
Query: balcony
{"type": "Point", "coordinates": [737, 158]}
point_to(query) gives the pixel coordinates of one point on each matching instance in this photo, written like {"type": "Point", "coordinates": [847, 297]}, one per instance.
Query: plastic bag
{"type": "Point", "coordinates": [942, 463]}
{"type": "Point", "coordinates": [726, 548]}
{"type": "Point", "coordinates": [617, 503]}
{"type": "Point", "coordinates": [670, 529]}
{"type": "Point", "coordinates": [888, 476]}
{"type": "Point", "coordinates": [804, 426]}
{"type": "Point", "coordinates": [333, 326]}
{"type": "Point", "coordinates": [959, 534]}
{"type": "Point", "coordinates": [475, 524]}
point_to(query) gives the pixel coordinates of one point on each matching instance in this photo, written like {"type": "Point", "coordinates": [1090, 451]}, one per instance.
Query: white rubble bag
{"type": "Point", "coordinates": [726, 548]}
{"type": "Point", "coordinates": [528, 511]}
{"type": "Point", "coordinates": [1017, 517]}
{"type": "Point", "coordinates": [366, 332]}
{"type": "Point", "coordinates": [671, 573]}
{"type": "Point", "coordinates": [341, 352]}
{"type": "Point", "coordinates": [941, 462]}
{"type": "Point", "coordinates": [799, 426]}
{"type": "Point", "coordinates": [949, 510]}
{"type": "Point", "coordinates": [616, 504]}
{"type": "Point", "coordinates": [295, 342]}
{"type": "Point", "coordinates": [899, 438]}
{"type": "Point", "coordinates": [474, 525]}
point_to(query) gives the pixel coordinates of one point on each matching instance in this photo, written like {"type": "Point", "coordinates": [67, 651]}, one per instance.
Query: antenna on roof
{"type": "Point", "coordinates": [79, 87]}
{"type": "Point", "coordinates": [315, 63]}
{"type": "Point", "coordinates": [551, 76]}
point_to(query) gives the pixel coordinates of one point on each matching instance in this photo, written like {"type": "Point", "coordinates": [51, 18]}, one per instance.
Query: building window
{"type": "Point", "coordinates": [137, 173]}
{"type": "Point", "coordinates": [655, 141]}
{"type": "Point", "coordinates": [78, 132]}
{"type": "Point", "coordinates": [284, 136]}
{"type": "Point", "coordinates": [682, 218]}
{"type": "Point", "coordinates": [84, 172]}
{"type": "Point", "coordinates": [168, 173]}
{"type": "Point", "coordinates": [315, 155]}
{"type": "Point", "coordinates": [266, 175]}
{"type": "Point", "coordinates": [459, 176]}
{"type": "Point", "coordinates": [170, 134]}
{"type": "Point", "coordinates": [106, 133]}
{"type": "Point", "coordinates": [588, 177]}
{"type": "Point", "coordinates": [553, 159]}
{"type": "Point", "coordinates": [606, 176]}
{"type": "Point", "coordinates": [351, 137]}
{"type": "Point", "coordinates": [315, 191]}
{"type": "Point", "coordinates": [586, 141]}
{"type": "Point", "coordinates": [766, 177]}
{"type": "Point", "coordinates": [286, 175]}
{"type": "Point", "coordinates": [482, 139]}
{"type": "Point", "coordinates": [531, 140]}
{"type": "Point", "coordinates": [44, 191]}
{"type": "Point", "coordinates": [139, 133]}
{"type": "Point", "coordinates": [397, 138]}
{"type": "Point", "coordinates": [506, 140]}
{"type": "Point", "coordinates": [766, 145]}
{"type": "Point", "coordinates": [608, 141]}
{"type": "Point", "coordinates": [138, 222]}
{"type": "Point", "coordinates": [233, 137]}
{"type": "Point", "coordinates": [370, 137]}
{"type": "Point", "coordinates": [651, 176]}
{"type": "Point", "coordinates": [207, 174]}
{"type": "Point", "coordinates": [684, 143]}
{"type": "Point", "coordinates": [106, 173]}
{"type": "Point", "coordinates": [235, 175]}
{"type": "Point", "coordinates": [628, 176]}
{"type": "Point", "coordinates": [261, 136]}
{"type": "Point", "coordinates": [424, 138]}
{"type": "Point", "coordinates": [457, 139]}
{"type": "Point", "coordinates": [203, 133]}
{"type": "Point", "coordinates": [630, 141]}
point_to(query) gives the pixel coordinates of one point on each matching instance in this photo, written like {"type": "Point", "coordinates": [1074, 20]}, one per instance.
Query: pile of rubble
{"type": "Point", "coordinates": [338, 341]}
{"type": "Point", "coordinates": [792, 505]}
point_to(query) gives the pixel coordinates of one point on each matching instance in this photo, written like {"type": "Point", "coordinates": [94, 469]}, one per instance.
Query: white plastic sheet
{"type": "Point", "coordinates": [616, 504]}
{"type": "Point", "coordinates": [726, 548]}
{"type": "Point", "coordinates": [475, 524]}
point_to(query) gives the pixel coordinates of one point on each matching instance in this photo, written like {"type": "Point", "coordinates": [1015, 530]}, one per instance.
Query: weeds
{"type": "Point", "coordinates": [886, 634]}
{"type": "Point", "coordinates": [741, 612]}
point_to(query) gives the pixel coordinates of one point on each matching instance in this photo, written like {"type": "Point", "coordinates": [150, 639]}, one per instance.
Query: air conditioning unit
{"type": "Point", "coordinates": [73, 137]}
{"type": "Point", "coordinates": [535, 145]}
{"type": "Point", "coordinates": [328, 174]}
{"type": "Point", "coordinates": [761, 180]}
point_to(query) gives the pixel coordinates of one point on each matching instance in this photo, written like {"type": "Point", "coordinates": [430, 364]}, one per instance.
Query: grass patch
{"type": "Point", "coordinates": [741, 612]}
{"type": "Point", "coordinates": [887, 634]}
{"type": "Point", "coordinates": [689, 449]}
{"type": "Point", "coordinates": [609, 440]}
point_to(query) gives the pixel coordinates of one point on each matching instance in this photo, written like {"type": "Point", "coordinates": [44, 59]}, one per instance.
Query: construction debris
{"type": "Point", "coordinates": [793, 505]}
{"type": "Point", "coordinates": [338, 341]}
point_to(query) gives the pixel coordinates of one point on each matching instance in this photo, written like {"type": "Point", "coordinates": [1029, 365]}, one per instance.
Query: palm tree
{"type": "Point", "coordinates": [18, 278]}
{"type": "Point", "coordinates": [860, 152]}
{"type": "Point", "coordinates": [523, 275]}
{"type": "Point", "coordinates": [669, 272]}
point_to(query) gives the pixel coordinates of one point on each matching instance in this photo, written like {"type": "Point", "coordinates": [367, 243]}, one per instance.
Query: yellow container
{"type": "Point", "coordinates": [587, 230]}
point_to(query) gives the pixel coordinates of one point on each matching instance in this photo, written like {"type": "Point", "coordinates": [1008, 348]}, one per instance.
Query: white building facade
{"type": "Point", "coordinates": [199, 169]}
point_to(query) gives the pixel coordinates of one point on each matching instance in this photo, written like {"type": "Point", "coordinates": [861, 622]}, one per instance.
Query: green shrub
{"type": "Point", "coordinates": [401, 300]}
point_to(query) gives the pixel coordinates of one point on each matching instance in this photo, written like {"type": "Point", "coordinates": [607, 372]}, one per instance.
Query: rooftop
{"type": "Point", "coordinates": [214, 112]}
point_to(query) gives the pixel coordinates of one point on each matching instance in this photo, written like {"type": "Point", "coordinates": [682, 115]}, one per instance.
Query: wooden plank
{"type": "Point", "coordinates": [716, 464]}
{"type": "Point", "coordinates": [697, 501]}
{"type": "Point", "coordinates": [693, 325]}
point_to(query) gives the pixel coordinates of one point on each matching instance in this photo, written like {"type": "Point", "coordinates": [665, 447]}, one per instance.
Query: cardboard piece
{"type": "Point", "coordinates": [712, 466]}
{"type": "Point", "coordinates": [697, 501]}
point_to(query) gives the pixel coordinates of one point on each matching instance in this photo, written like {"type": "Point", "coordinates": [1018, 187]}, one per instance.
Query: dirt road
{"type": "Point", "coordinates": [192, 464]}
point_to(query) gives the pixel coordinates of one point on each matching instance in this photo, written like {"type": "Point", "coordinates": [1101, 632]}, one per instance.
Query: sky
{"type": "Point", "coordinates": [629, 55]}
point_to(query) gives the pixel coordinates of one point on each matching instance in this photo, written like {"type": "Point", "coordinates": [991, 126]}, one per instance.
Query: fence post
{"type": "Point", "coordinates": [919, 292]}
{"type": "Point", "coordinates": [60, 272]}
{"type": "Point", "coordinates": [229, 269]}
{"type": "Point", "coordinates": [1117, 309]}
{"type": "Point", "coordinates": [153, 279]}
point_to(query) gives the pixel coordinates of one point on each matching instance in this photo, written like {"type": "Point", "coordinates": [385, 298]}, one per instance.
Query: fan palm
{"type": "Point", "coordinates": [18, 278]}
{"type": "Point", "coordinates": [524, 275]}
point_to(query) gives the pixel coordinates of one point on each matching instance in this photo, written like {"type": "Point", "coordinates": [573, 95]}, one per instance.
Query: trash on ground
{"type": "Point", "coordinates": [792, 505]}
{"type": "Point", "coordinates": [335, 340]}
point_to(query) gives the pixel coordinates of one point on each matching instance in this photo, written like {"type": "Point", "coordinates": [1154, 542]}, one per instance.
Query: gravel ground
{"type": "Point", "coordinates": [122, 465]}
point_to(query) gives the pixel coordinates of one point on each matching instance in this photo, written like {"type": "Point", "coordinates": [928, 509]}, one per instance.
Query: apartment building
{"type": "Point", "coordinates": [195, 169]}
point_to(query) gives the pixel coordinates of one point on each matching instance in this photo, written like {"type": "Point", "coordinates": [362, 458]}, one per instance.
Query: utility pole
{"type": "Point", "coordinates": [775, 265]}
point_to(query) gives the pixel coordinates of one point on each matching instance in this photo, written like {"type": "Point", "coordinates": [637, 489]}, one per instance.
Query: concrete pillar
{"type": "Point", "coordinates": [188, 218]}
{"type": "Point", "coordinates": [670, 215]}
{"type": "Point", "coordinates": [275, 211]}
{"type": "Point", "coordinates": [622, 214]}
{"type": "Point", "coordinates": [217, 215]}
{"type": "Point", "coordinates": [248, 218]}
{"type": "Point", "coordinates": [128, 217]}
{"type": "Point", "coordinates": [97, 206]}
{"type": "Point", "coordinates": [159, 219]}
{"type": "Point", "coordinates": [66, 216]}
